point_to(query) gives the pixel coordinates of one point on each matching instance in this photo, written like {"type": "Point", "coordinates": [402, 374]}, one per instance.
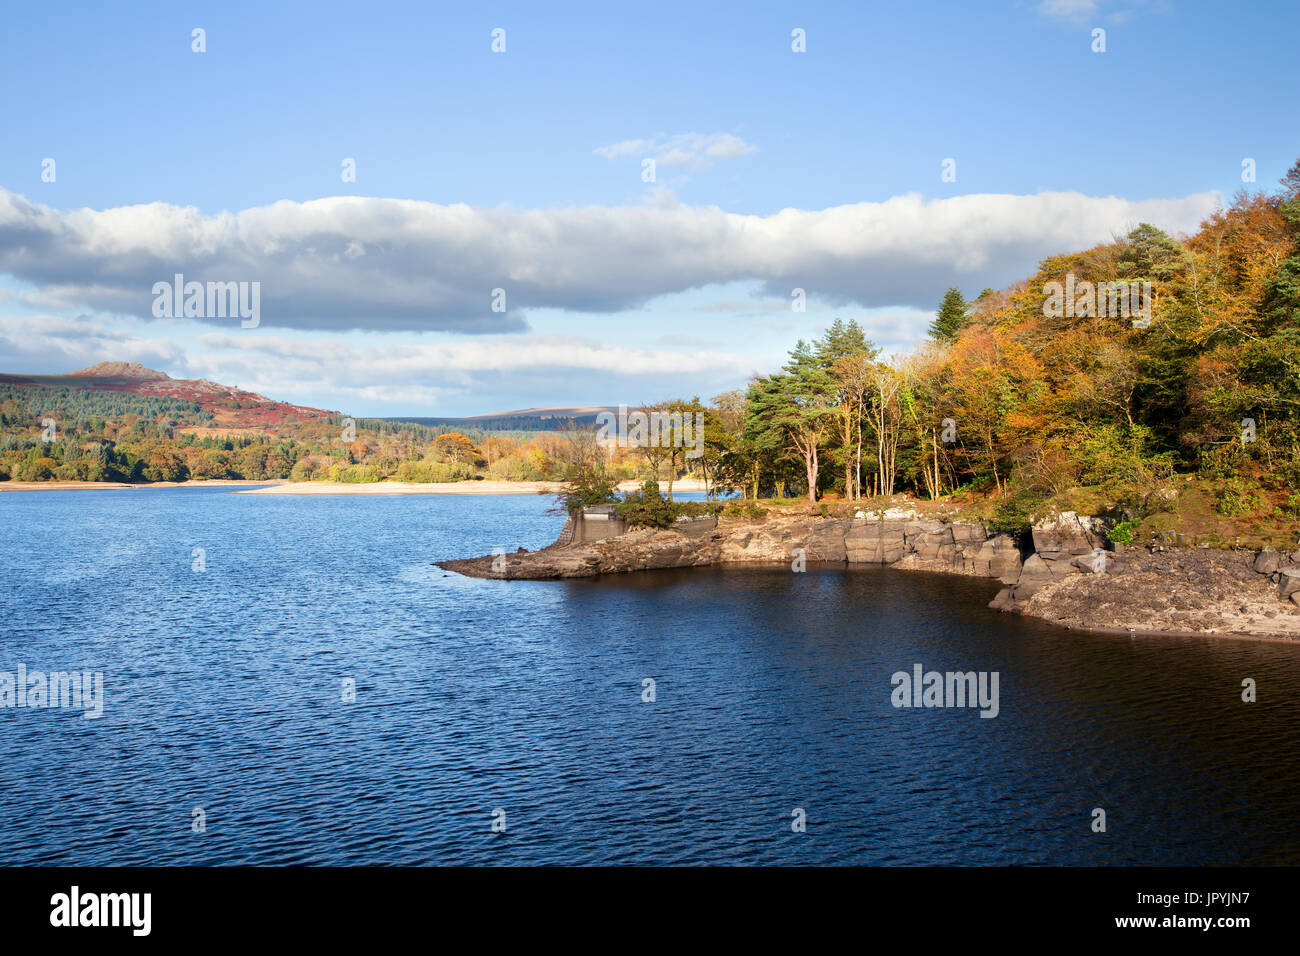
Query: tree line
{"type": "Point", "coordinates": [1012, 399]}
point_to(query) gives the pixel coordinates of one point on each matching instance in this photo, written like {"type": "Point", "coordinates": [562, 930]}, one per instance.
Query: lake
{"type": "Point", "coordinates": [225, 674]}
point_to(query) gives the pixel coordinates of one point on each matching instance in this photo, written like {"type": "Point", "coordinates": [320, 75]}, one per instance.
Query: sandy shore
{"type": "Point", "coordinates": [122, 486]}
{"type": "Point", "coordinates": [274, 487]}
{"type": "Point", "coordinates": [407, 488]}
{"type": "Point", "coordinates": [440, 488]}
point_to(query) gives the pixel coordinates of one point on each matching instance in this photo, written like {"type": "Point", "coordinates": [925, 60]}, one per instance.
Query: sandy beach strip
{"type": "Point", "coordinates": [442, 488]}
{"type": "Point", "coordinates": [407, 488]}
{"type": "Point", "coordinates": [273, 487]}
{"type": "Point", "coordinates": [124, 486]}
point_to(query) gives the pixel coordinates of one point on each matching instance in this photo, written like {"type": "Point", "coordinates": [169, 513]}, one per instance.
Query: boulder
{"type": "Point", "coordinates": [875, 542]}
{"type": "Point", "coordinates": [1267, 561]}
{"type": "Point", "coordinates": [1035, 571]}
{"type": "Point", "coordinates": [1088, 562]}
{"type": "Point", "coordinates": [934, 545]}
{"type": "Point", "coordinates": [1288, 583]}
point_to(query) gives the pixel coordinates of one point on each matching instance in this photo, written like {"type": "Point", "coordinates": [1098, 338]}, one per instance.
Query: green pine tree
{"type": "Point", "coordinates": [951, 317]}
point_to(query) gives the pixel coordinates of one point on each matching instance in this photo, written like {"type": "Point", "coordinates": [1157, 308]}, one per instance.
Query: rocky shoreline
{"type": "Point", "coordinates": [1062, 572]}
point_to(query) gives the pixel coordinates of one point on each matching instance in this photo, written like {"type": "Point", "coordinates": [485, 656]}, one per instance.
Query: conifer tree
{"type": "Point", "coordinates": [951, 317]}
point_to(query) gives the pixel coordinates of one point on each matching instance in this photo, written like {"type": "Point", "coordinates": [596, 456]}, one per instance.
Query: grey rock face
{"type": "Point", "coordinates": [1066, 534]}
{"type": "Point", "coordinates": [964, 548]}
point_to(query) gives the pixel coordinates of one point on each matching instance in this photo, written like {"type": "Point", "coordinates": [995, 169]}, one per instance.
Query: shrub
{"type": "Point", "coordinates": [647, 508]}
{"type": "Point", "coordinates": [1286, 473]}
{"type": "Point", "coordinates": [1012, 513]}
{"type": "Point", "coordinates": [41, 469]}
{"type": "Point", "coordinates": [82, 469]}
{"type": "Point", "coordinates": [509, 468]}
{"type": "Point", "coordinates": [424, 472]}
{"type": "Point", "coordinates": [1122, 533]}
{"type": "Point", "coordinates": [743, 509]}
{"type": "Point", "coordinates": [1221, 461]}
{"type": "Point", "coordinates": [693, 509]}
{"type": "Point", "coordinates": [1239, 497]}
{"type": "Point", "coordinates": [585, 489]}
{"type": "Point", "coordinates": [359, 475]}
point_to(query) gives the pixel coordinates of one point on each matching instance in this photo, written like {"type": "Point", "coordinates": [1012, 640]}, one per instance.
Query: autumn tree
{"type": "Point", "coordinates": [582, 461]}
{"type": "Point", "coordinates": [848, 357]}
{"type": "Point", "coordinates": [453, 446]}
{"type": "Point", "coordinates": [883, 386]}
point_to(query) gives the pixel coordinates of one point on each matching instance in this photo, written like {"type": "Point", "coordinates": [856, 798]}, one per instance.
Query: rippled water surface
{"type": "Point", "coordinates": [224, 692]}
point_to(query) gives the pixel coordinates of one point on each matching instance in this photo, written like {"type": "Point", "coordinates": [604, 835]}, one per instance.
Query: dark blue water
{"type": "Point", "coordinates": [223, 692]}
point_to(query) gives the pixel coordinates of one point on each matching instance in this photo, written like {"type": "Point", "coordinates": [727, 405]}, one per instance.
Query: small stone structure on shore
{"type": "Point", "coordinates": [593, 523]}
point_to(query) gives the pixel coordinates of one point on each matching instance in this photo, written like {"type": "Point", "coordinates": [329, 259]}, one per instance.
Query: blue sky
{"type": "Point", "coordinates": [775, 170]}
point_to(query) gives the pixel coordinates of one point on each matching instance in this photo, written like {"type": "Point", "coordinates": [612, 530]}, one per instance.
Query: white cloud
{"type": "Point", "coordinates": [51, 344]}
{"type": "Point", "coordinates": [1071, 11]}
{"type": "Point", "coordinates": [690, 151]}
{"type": "Point", "coordinates": [1081, 12]}
{"type": "Point", "coordinates": [337, 372]}
{"type": "Point", "coordinates": [455, 359]}
{"type": "Point", "coordinates": [431, 267]}
{"type": "Point", "coordinates": [427, 374]}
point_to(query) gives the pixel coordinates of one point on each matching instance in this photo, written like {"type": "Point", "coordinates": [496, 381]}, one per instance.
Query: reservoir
{"type": "Point", "coordinates": [296, 670]}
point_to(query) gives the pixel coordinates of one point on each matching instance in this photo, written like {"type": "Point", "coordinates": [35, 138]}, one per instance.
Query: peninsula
{"type": "Point", "coordinates": [1063, 571]}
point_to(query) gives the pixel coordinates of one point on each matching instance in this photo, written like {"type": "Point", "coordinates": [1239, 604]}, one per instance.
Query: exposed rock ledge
{"type": "Point", "coordinates": [1072, 581]}
{"type": "Point", "coordinates": [963, 548]}
{"type": "Point", "coordinates": [1069, 578]}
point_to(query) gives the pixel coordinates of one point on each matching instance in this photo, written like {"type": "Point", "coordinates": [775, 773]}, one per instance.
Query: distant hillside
{"type": "Point", "coordinates": [521, 420]}
{"type": "Point", "coordinates": [224, 406]}
{"type": "Point", "coordinates": [121, 421]}
{"type": "Point", "coordinates": [111, 390]}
